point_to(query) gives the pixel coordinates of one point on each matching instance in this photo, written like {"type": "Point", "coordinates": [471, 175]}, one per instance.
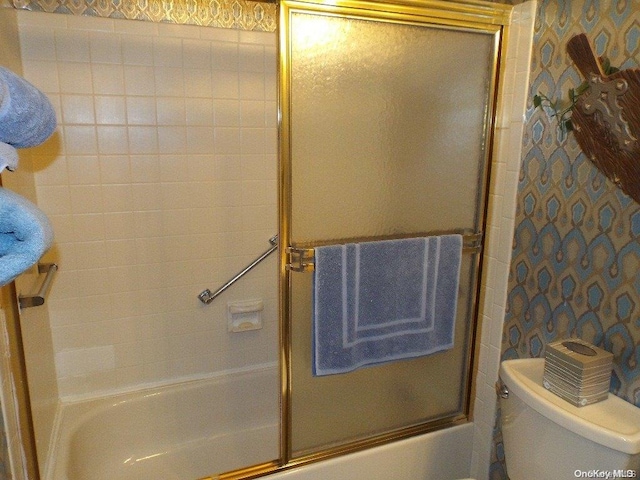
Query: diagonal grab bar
{"type": "Point", "coordinates": [206, 296]}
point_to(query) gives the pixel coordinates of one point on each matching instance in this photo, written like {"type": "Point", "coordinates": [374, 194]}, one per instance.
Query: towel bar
{"type": "Point", "coordinates": [27, 301]}
{"type": "Point", "coordinates": [206, 296]}
{"type": "Point", "coordinates": [302, 259]}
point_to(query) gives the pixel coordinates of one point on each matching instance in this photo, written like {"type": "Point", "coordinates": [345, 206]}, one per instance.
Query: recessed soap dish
{"type": "Point", "coordinates": [244, 316]}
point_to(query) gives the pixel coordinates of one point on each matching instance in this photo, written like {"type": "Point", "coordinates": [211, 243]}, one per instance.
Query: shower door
{"type": "Point", "coordinates": [386, 133]}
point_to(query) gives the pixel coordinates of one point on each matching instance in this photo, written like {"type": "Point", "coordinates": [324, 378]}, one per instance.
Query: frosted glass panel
{"type": "Point", "coordinates": [388, 127]}
{"type": "Point", "coordinates": [389, 119]}
{"type": "Point", "coordinates": [336, 409]}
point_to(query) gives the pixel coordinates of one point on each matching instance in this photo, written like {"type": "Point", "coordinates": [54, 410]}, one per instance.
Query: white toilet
{"type": "Point", "coordinates": [547, 438]}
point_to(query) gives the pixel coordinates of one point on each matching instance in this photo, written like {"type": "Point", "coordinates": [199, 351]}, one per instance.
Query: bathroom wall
{"type": "Point", "coordinates": [574, 268]}
{"type": "Point", "coordinates": [500, 224]}
{"type": "Point", "coordinates": [53, 31]}
{"type": "Point", "coordinates": [161, 183]}
{"type": "Point", "coordinates": [34, 323]}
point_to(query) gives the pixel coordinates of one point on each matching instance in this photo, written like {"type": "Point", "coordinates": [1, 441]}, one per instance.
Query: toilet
{"type": "Point", "coordinates": [546, 437]}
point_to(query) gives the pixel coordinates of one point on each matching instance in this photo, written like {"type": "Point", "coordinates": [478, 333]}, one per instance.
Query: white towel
{"type": "Point", "coordinates": [8, 157]}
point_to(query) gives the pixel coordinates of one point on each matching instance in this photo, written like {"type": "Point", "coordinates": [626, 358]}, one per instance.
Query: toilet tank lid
{"type": "Point", "coordinates": [613, 423]}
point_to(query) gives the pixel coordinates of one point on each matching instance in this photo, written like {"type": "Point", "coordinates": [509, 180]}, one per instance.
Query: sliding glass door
{"type": "Point", "coordinates": [387, 120]}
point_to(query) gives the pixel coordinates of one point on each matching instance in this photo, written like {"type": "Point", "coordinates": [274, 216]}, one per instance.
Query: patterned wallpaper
{"type": "Point", "coordinates": [575, 268]}
{"type": "Point", "coordinates": [576, 253]}
{"type": "Point", "coordinates": [239, 14]}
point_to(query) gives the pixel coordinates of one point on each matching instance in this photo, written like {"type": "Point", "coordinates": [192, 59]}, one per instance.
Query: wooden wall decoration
{"type": "Point", "coordinates": [606, 118]}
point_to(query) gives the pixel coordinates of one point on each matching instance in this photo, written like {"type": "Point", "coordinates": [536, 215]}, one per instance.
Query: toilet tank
{"type": "Point", "coordinates": [545, 437]}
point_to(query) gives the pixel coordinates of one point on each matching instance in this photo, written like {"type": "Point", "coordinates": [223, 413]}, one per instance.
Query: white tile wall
{"type": "Point", "coordinates": [160, 182]}
{"type": "Point", "coordinates": [500, 227]}
{"type": "Point", "coordinates": [35, 331]}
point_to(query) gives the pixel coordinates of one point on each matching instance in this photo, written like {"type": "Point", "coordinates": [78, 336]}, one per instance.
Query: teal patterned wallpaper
{"type": "Point", "coordinates": [575, 268]}
{"type": "Point", "coordinates": [576, 253]}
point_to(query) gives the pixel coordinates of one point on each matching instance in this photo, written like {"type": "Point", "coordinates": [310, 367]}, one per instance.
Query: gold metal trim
{"type": "Point", "coordinates": [477, 16]}
{"type": "Point", "coordinates": [255, 471]}
{"type": "Point", "coordinates": [498, 107]}
{"type": "Point", "coordinates": [488, 17]}
{"type": "Point", "coordinates": [267, 468]}
{"type": "Point", "coordinates": [9, 304]}
{"type": "Point", "coordinates": [303, 259]}
{"type": "Point", "coordinates": [490, 150]}
{"type": "Point", "coordinates": [471, 239]}
{"type": "Point", "coordinates": [375, 441]}
{"type": "Point", "coordinates": [284, 202]}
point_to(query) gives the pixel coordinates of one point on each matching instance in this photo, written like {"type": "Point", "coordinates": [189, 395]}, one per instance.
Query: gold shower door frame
{"type": "Point", "coordinates": [471, 15]}
{"type": "Point", "coordinates": [490, 19]}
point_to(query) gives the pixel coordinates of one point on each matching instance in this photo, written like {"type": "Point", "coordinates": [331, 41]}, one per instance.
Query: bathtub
{"type": "Point", "coordinates": [182, 431]}
{"type": "Point", "coordinates": [194, 429]}
{"type": "Point", "coordinates": [441, 455]}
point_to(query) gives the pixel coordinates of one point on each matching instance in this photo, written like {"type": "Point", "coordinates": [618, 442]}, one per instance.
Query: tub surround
{"type": "Point", "coordinates": [151, 118]}
{"type": "Point", "coordinates": [57, 184]}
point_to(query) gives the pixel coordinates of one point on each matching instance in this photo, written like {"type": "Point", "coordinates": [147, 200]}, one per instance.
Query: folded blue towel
{"type": "Point", "coordinates": [25, 235]}
{"type": "Point", "coordinates": [8, 157]}
{"type": "Point", "coordinates": [381, 301]}
{"type": "Point", "coordinates": [27, 117]}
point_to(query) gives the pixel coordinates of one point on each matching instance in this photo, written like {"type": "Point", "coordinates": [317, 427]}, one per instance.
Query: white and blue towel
{"type": "Point", "coordinates": [25, 235]}
{"type": "Point", "coordinates": [383, 301]}
{"type": "Point", "coordinates": [8, 157]}
{"type": "Point", "coordinates": [27, 117]}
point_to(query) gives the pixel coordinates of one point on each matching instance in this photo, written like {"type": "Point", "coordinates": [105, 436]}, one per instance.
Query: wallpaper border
{"type": "Point", "coordinates": [237, 14]}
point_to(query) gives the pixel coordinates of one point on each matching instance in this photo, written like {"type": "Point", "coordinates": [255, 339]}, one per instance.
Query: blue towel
{"type": "Point", "coordinates": [27, 117]}
{"type": "Point", "coordinates": [382, 301]}
{"type": "Point", "coordinates": [25, 235]}
{"type": "Point", "coordinates": [8, 157]}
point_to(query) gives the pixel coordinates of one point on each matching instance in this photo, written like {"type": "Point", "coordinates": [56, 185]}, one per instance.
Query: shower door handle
{"type": "Point", "coordinates": [27, 301]}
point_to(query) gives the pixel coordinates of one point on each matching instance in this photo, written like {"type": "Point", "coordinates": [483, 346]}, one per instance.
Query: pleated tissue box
{"type": "Point", "coordinates": [577, 371]}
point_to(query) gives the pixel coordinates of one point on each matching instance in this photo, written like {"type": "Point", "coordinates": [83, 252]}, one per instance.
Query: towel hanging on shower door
{"type": "Point", "coordinates": [383, 301]}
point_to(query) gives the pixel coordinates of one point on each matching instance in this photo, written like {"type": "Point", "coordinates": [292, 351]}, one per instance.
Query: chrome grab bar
{"type": "Point", "coordinates": [27, 301]}
{"type": "Point", "coordinates": [206, 296]}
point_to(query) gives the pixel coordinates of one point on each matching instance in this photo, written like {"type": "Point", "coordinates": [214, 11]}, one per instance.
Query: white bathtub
{"type": "Point", "coordinates": [195, 429]}
{"type": "Point", "coordinates": [183, 431]}
{"type": "Point", "coordinates": [441, 455]}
